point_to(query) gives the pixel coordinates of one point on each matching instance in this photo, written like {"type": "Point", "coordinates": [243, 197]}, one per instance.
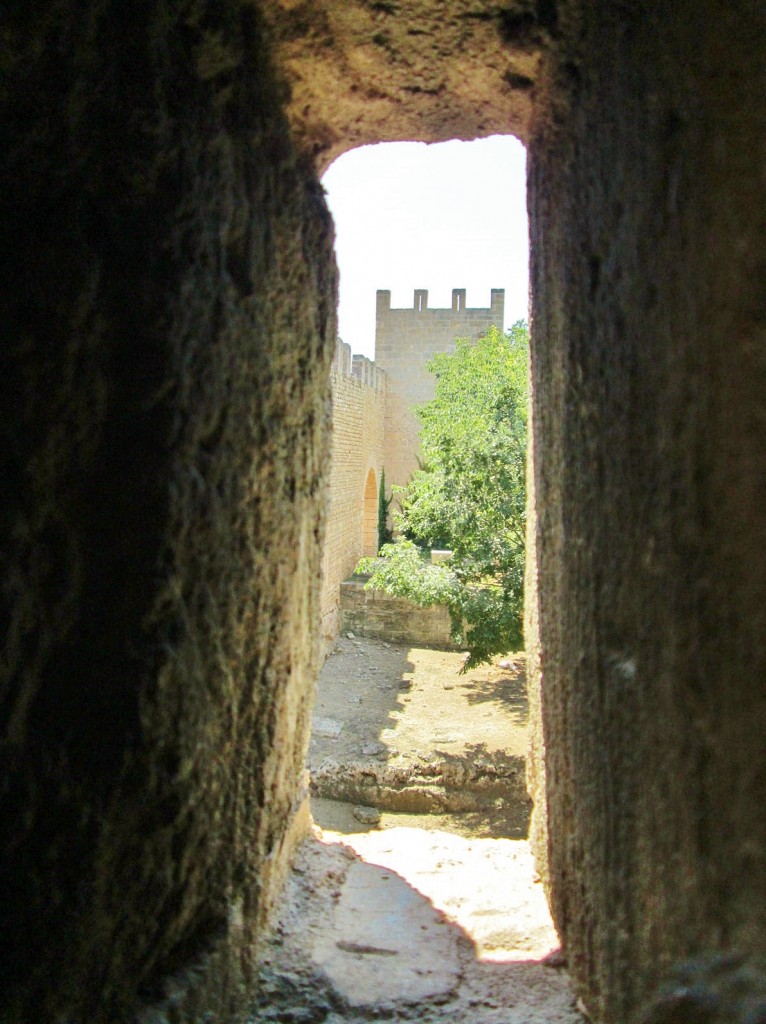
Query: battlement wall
{"type": "Point", "coordinates": [358, 387]}
{"type": "Point", "coordinates": [405, 341]}
{"type": "Point", "coordinates": [348, 364]}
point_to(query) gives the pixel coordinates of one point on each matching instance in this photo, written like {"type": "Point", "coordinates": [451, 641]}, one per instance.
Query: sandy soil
{"type": "Point", "coordinates": [402, 728]}
{"type": "Point", "coordinates": [412, 699]}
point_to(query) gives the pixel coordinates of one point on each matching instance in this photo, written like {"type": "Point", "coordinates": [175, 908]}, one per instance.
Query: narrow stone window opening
{"type": "Point", "coordinates": [416, 768]}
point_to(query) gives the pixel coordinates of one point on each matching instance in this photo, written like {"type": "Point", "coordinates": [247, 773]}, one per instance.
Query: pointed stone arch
{"type": "Point", "coordinates": [370, 516]}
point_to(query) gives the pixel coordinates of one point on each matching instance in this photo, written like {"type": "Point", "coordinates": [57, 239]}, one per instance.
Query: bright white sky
{"type": "Point", "coordinates": [444, 216]}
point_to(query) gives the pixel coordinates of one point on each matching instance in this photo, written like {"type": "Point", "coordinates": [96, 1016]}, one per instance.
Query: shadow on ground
{"type": "Point", "coordinates": [401, 733]}
{"type": "Point", "coordinates": [508, 692]}
{"type": "Point", "coordinates": [414, 925]}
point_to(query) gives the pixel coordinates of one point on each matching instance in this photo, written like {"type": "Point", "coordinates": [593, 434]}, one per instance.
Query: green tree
{"type": "Point", "coordinates": [468, 496]}
{"type": "Point", "coordinates": [385, 536]}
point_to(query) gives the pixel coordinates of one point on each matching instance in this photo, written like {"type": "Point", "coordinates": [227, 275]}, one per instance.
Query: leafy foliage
{"type": "Point", "coordinates": [468, 496]}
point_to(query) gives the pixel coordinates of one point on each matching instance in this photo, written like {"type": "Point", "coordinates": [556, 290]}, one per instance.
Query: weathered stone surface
{"type": "Point", "coordinates": [366, 815]}
{"type": "Point", "coordinates": [477, 885]}
{"type": "Point", "coordinates": [711, 990]}
{"type": "Point", "coordinates": [422, 786]}
{"type": "Point", "coordinates": [387, 944]}
{"type": "Point", "coordinates": [484, 885]}
{"type": "Point", "coordinates": [168, 290]}
{"type": "Point", "coordinates": [361, 72]}
{"type": "Point", "coordinates": [649, 543]}
{"type": "Point", "coordinates": [377, 614]}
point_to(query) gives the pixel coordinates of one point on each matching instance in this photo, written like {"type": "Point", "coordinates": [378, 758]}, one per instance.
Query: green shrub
{"type": "Point", "coordinates": [468, 496]}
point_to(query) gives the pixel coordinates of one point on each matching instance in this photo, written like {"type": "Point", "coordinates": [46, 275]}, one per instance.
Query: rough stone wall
{"type": "Point", "coordinates": [364, 71]}
{"type": "Point", "coordinates": [375, 613]}
{"type": "Point", "coordinates": [646, 197]}
{"type": "Point", "coordinates": [405, 340]}
{"type": "Point", "coordinates": [168, 288]}
{"type": "Point", "coordinates": [358, 402]}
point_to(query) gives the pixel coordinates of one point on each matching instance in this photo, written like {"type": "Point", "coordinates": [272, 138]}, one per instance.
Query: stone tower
{"type": "Point", "coordinates": [405, 340]}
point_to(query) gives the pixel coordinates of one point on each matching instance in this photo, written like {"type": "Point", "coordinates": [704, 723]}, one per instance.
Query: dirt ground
{"type": "Point", "coordinates": [401, 729]}
{"type": "Point", "coordinates": [416, 896]}
{"type": "Point", "coordinates": [411, 925]}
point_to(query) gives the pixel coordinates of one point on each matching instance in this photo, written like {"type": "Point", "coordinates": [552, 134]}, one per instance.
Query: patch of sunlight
{"type": "Point", "coordinates": [488, 887]}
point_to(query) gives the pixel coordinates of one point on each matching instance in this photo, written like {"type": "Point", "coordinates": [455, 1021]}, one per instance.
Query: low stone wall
{"type": "Point", "coordinates": [375, 613]}
{"type": "Point", "coordinates": [458, 785]}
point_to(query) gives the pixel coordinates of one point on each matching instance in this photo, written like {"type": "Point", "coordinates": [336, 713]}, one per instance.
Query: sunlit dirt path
{"type": "Point", "coordinates": [414, 925]}
{"type": "Point", "coordinates": [391, 913]}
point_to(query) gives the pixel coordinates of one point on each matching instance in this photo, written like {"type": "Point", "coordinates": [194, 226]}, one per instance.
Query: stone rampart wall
{"type": "Point", "coordinates": [358, 398]}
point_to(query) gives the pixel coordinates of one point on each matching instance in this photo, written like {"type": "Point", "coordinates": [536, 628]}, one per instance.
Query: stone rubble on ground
{"type": "Point", "coordinates": [366, 815]}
